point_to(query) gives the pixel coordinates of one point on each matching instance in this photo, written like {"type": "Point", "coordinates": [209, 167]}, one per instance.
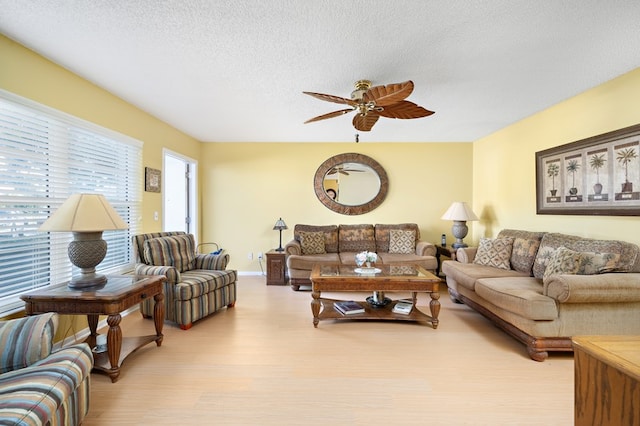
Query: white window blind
{"type": "Point", "coordinates": [45, 156]}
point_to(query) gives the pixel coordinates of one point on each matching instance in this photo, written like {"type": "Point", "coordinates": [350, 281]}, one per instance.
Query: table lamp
{"type": "Point", "coordinates": [86, 215]}
{"type": "Point", "coordinates": [279, 226]}
{"type": "Point", "coordinates": [459, 213]}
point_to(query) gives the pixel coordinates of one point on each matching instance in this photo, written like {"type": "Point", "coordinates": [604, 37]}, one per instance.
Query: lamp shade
{"type": "Point", "coordinates": [280, 225]}
{"type": "Point", "coordinates": [84, 213]}
{"type": "Point", "coordinates": [459, 210]}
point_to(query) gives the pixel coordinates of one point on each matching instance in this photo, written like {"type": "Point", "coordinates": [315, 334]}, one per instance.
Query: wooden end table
{"type": "Point", "coordinates": [117, 295]}
{"type": "Point", "coordinates": [391, 278]}
{"type": "Point", "coordinates": [447, 251]}
{"type": "Point", "coordinates": [276, 268]}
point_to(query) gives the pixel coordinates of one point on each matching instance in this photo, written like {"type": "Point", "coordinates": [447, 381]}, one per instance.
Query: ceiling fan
{"type": "Point", "coordinates": [371, 103]}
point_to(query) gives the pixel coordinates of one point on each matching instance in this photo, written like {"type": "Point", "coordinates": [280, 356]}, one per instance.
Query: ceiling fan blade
{"type": "Point", "coordinates": [364, 123]}
{"type": "Point", "coordinates": [389, 94]}
{"type": "Point", "coordinates": [404, 110]}
{"type": "Point", "coordinates": [331, 98]}
{"type": "Point", "coordinates": [328, 115]}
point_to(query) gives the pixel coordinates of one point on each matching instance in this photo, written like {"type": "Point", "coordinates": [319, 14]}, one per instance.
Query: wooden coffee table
{"type": "Point", "coordinates": [391, 278]}
{"type": "Point", "coordinates": [118, 294]}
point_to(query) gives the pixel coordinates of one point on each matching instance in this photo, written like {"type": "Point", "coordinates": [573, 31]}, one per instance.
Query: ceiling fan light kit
{"type": "Point", "coordinates": [371, 103]}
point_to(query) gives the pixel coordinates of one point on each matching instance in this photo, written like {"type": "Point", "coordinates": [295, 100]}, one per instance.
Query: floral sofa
{"type": "Point", "coordinates": [544, 288]}
{"type": "Point", "coordinates": [331, 244]}
{"type": "Point", "coordinates": [38, 387]}
{"type": "Point", "coordinates": [197, 285]}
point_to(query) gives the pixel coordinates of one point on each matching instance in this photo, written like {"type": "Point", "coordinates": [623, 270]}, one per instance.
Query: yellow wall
{"type": "Point", "coordinates": [504, 172]}
{"type": "Point", "coordinates": [28, 74]}
{"type": "Point", "coordinates": [248, 186]}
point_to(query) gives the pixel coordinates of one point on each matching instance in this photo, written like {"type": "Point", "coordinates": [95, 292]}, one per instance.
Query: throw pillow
{"type": "Point", "coordinates": [523, 254]}
{"type": "Point", "coordinates": [598, 263]}
{"type": "Point", "coordinates": [562, 262]}
{"type": "Point", "coordinates": [494, 252]}
{"type": "Point", "coordinates": [312, 242]}
{"type": "Point", "coordinates": [178, 251]}
{"type": "Point", "coordinates": [402, 241]}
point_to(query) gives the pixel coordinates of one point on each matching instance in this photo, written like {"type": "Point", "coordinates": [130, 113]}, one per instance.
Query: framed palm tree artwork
{"type": "Point", "coordinates": [598, 175]}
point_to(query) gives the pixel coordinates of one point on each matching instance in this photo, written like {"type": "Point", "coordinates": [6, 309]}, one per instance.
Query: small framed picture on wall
{"type": "Point", "coordinates": [152, 179]}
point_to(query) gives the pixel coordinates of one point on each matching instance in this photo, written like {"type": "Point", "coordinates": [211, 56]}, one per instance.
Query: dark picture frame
{"type": "Point", "coordinates": [152, 180]}
{"type": "Point", "coordinates": [599, 175]}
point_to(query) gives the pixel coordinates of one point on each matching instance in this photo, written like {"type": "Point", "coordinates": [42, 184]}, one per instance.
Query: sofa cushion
{"type": "Point", "coordinates": [550, 242]}
{"type": "Point", "coordinates": [178, 251]}
{"type": "Point", "coordinates": [525, 247]}
{"type": "Point", "coordinates": [466, 274]}
{"type": "Point", "coordinates": [383, 234]}
{"type": "Point", "coordinates": [522, 296]}
{"type": "Point", "coordinates": [312, 242]}
{"type": "Point", "coordinates": [427, 262]}
{"type": "Point", "coordinates": [356, 238]}
{"type": "Point", "coordinates": [402, 242]}
{"type": "Point", "coordinates": [494, 252]}
{"type": "Point", "coordinates": [330, 235]}
{"type": "Point", "coordinates": [306, 262]}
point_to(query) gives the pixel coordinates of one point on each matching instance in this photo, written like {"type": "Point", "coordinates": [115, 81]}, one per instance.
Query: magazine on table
{"type": "Point", "coordinates": [348, 307]}
{"type": "Point", "coordinates": [403, 307]}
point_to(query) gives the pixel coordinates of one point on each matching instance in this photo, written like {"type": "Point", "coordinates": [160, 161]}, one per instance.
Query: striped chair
{"type": "Point", "coordinates": [197, 285]}
{"type": "Point", "coordinates": [38, 387]}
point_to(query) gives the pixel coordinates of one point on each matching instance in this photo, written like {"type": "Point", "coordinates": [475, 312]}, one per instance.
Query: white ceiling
{"type": "Point", "coordinates": [234, 70]}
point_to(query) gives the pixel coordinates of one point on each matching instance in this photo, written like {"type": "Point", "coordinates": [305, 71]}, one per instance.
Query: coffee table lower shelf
{"type": "Point", "coordinates": [326, 311]}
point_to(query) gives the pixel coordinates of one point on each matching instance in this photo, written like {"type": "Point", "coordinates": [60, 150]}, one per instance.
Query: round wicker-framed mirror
{"type": "Point", "coordinates": [351, 183]}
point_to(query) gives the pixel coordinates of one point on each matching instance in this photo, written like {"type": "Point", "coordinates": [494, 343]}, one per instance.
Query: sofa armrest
{"type": "Point", "coordinates": [602, 288]}
{"type": "Point", "coordinates": [216, 262]}
{"type": "Point", "coordinates": [172, 274]}
{"type": "Point", "coordinates": [425, 248]}
{"type": "Point", "coordinates": [27, 340]}
{"type": "Point", "coordinates": [466, 254]}
{"type": "Point", "coordinates": [293, 247]}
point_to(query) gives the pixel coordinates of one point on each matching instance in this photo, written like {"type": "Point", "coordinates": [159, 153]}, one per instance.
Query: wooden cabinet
{"type": "Point", "coordinates": [607, 380]}
{"type": "Point", "coordinates": [276, 268]}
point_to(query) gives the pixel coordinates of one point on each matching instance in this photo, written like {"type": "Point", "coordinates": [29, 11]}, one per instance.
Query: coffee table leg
{"type": "Point", "coordinates": [114, 345]}
{"type": "Point", "coordinates": [434, 305]}
{"type": "Point", "coordinates": [315, 307]}
{"type": "Point", "coordinates": [158, 316]}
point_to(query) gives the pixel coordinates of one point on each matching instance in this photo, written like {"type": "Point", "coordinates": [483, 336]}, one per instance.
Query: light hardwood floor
{"type": "Point", "coordinates": [263, 363]}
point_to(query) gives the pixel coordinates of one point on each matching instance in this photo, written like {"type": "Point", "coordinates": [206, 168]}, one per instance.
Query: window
{"type": "Point", "coordinates": [45, 156]}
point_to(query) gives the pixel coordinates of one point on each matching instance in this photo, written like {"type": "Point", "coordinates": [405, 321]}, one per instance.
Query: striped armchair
{"type": "Point", "coordinates": [38, 387]}
{"type": "Point", "coordinates": [197, 285]}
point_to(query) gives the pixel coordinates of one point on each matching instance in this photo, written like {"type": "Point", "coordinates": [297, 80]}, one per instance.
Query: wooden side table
{"type": "Point", "coordinates": [607, 380]}
{"type": "Point", "coordinates": [276, 268]}
{"type": "Point", "coordinates": [447, 251]}
{"type": "Point", "coordinates": [118, 294]}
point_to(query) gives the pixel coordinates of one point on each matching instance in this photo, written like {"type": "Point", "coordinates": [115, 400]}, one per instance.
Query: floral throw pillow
{"type": "Point", "coordinates": [312, 242]}
{"type": "Point", "coordinates": [402, 241]}
{"type": "Point", "coordinates": [494, 252]}
{"type": "Point", "coordinates": [598, 263]}
{"type": "Point", "coordinates": [562, 262]}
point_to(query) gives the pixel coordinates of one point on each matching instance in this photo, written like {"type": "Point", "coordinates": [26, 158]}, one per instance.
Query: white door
{"type": "Point", "coordinates": [179, 193]}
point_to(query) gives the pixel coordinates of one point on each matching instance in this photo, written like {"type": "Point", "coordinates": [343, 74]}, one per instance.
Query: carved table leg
{"type": "Point", "coordinates": [92, 320]}
{"type": "Point", "coordinates": [158, 316]}
{"type": "Point", "coordinates": [434, 305]}
{"type": "Point", "coordinates": [114, 345]}
{"type": "Point", "coordinates": [315, 307]}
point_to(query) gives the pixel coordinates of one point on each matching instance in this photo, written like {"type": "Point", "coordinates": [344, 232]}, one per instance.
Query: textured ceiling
{"type": "Point", "coordinates": [234, 71]}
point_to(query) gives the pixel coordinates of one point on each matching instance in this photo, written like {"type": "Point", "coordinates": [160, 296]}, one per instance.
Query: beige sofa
{"type": "Point", "coordinates": [330, 244]}
{"type": "Point", "coordinates": [544, 288]}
